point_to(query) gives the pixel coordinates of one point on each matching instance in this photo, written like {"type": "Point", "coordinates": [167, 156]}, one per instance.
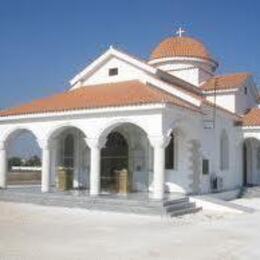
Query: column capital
{"type": "Point", "coordinates": [95, 142]}
{"type": "Point", "coordinates": [159, 141]}
{"type": "Point", "coordinates": [44, 144]}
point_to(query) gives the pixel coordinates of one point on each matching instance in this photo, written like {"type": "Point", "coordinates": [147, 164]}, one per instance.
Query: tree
{"type": "Point", "coordinates": [14, 161]}
{"type": "Point", "coordinates": [33, 161]}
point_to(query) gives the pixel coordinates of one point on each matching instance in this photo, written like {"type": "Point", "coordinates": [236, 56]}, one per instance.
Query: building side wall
{"type": "Point", "coordinates": [189, 179]}
{"type": "Point", "coordinates": [245, 100]}
{"type": "Point", "coordinates": [226, 100]}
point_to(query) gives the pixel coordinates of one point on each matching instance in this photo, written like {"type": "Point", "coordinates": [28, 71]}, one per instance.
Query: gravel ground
{"type": "Point", "coordinates": [37, 232]}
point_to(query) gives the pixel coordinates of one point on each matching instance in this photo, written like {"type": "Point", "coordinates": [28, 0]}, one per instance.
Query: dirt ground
{"type": "Point", "coordinates": [37, 232]}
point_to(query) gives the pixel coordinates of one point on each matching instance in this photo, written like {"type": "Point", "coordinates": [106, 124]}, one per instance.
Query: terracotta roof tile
{"type": "Point", "coordinates": [226, 82]}
{"type": "Point", "coordinates": [97, 96]}
{"type": "Point", "coordinates": [252, 118]}
{"type": "Point", "coordinates": [180, 46]}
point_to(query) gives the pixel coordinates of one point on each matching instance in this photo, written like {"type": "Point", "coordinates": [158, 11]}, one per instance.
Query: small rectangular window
{"type": "Point", "coordinates": [245, 90]}
{"type": "Point", "coordinates": [113, 72]}
{"type": "Point", "coordinates": [205, 166]}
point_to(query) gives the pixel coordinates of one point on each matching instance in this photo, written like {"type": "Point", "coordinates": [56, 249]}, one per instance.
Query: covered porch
{"type": "Point", "coordinates": [121, 160]}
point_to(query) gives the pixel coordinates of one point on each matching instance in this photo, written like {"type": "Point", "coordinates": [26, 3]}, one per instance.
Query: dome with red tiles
{"type": "Point", "coordinates": [181, 47]}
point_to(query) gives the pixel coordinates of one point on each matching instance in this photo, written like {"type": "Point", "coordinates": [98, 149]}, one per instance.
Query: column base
{"type": "Point", "coordinates": [45, 189]}
{"type": "Point", "coordinates": [157, 196]}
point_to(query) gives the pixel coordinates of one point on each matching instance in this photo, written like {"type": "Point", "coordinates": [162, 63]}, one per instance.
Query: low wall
{"type": "Point", "coordinates": [17, 177]}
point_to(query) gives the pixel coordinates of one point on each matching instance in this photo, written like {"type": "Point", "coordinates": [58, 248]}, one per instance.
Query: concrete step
{"type": "Point", "coordinates": [250, 192]}
{"type": "Point", "coordinates": [182, 212]}
{"type": "Point", "coordinates": [178, 206]}
{"type": "Point", "coordinates": [172, 207]}
{"type": "Point", "coordinates": [175, 201]}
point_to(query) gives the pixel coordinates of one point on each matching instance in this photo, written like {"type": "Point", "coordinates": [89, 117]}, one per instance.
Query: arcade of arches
{"type": "Point", "coordinates": [124, 162]}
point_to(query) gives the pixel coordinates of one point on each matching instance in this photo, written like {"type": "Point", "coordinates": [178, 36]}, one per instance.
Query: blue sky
{"type": "Point", "coordinates": [45, 43]}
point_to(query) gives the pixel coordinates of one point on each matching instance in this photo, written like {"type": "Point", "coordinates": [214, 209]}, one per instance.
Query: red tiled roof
{"type": "Point", "coordinates": [252, 118]}
{"type": "Point", "coordinates": [226, 82]}
{"type": "Point", "coordinates": [97, 96]}
{"type": "Point", "coordinates": [180, 46]}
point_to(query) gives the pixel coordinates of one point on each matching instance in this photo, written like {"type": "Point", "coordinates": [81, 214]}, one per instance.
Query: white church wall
{"type": "Point", "coordinates": [245, 99]}
{"type": "Point", "coordinates": [225, 100]}
{"type": "Point", "coordinates": [192, 70]}
{"type": "Point", "coordinates": [179, 179]}
{"type": "Point", "coordinates": [125, 72]}
{"type": "Point", "coordinates": [182, 178]}
{"type": "Point", "coordinates": [204, 75]}
{"type": "Point", "coordinates": [185, 71]}
{"type": "Point", "coordinates": [210, 139]}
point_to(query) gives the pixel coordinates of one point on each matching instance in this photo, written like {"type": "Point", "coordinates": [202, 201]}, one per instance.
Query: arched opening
{"type": "Point", "coordinates": [68, 153]}
{"type": "Point", "coordinates": [248, 161]}
{"type": "Point", "coordinates": [171, 152]}
{"type": "Point", "coordinates": [70, 159]}
{"type": "Point", "coordinates": [224, 151]}
{"type": "Point", "coordinates": [23, 159]}
{"type": "Point", "coordinates": [125, 160]}
{"type": "Point", "coordinates": [114, 158]}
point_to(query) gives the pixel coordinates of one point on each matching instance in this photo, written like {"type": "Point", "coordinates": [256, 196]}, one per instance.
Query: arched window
{"type": "Point", "coordinates": [68, 151]}
{"type": "Point", "coordinates": [171, 154]}
{"type": "Point", "coordinates": [258, 158]}
{"type": "Point", "coordinates": [224, 151]}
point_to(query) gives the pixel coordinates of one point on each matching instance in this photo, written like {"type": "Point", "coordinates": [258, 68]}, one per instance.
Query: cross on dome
{"type": "Point", "coordinates": [180, 31]}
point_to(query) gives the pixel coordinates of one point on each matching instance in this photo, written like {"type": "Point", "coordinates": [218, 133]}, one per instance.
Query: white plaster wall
{"type": "Point", "coordinates": [192, 71]}
{"type": "Point", "coordinates": [178, 180]}
{"type": "Point", "coordinates": [210, 140]}
{"type": "Point", "coordinates": [126, 72]}
{"type": "Point", "coordinates": [245, 101]}
{"type": "Point", "coordinates": [204, 75]}
{"type": "Point", "coordinates": [225, 100]}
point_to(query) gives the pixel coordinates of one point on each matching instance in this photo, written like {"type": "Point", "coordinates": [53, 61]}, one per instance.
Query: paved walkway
{"type": "Point", "coordinates": [38, 232]}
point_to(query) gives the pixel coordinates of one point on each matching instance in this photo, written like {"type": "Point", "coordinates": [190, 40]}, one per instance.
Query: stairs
{"type": "Point", "coordinates": [250, 192]}
{"type": "Point", "coordinates": [173, 206]}
{"type": "Point", "coordinates": [180, 207]}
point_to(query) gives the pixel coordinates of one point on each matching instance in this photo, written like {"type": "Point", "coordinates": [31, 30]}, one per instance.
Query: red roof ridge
{"type": "Point", "coordinates": [252, 117]}
{"type": "Point", "coordinates": [124, 93]}
{"type": "Point", "coordinates": [226, 81]}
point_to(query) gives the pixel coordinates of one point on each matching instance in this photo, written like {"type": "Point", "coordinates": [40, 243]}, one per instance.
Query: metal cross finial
{"type": "Point", "coordinates": [180, 32]}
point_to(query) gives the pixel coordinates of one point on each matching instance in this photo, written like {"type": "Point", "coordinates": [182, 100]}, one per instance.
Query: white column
{"type": "Point", "coordinates": [159, 143]}
{"type": "Point", "coordinates": [45, 187]}
{"type": "Point", "coordinates": [3, 166]}
{"type": "Point", "coordinates": [76, 171]}
{"type": "Point", "coordinates": [95, 161]}
{"type": "Point", "coordinates": [53, 162]}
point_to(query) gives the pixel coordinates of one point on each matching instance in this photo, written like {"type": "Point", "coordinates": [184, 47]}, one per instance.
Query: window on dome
{"type": "Point", "coordinates": [245, 90]}
{"type": "Point", "coordinates": [113, 72]}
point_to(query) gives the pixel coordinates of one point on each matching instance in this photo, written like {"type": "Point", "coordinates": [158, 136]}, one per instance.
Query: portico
{"type": "Point", "coordinates": [93, 148]}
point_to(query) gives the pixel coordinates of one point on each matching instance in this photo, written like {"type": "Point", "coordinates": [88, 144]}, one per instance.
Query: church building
{"type": "Point", "coordinates": [168, 124]}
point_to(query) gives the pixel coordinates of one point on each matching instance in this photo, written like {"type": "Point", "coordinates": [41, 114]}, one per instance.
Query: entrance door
{"type": "Point", "coordinates": [114, 158]}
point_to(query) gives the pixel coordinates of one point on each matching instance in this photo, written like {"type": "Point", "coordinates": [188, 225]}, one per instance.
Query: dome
{"type": "Point", "coordinates": [181, 47]}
